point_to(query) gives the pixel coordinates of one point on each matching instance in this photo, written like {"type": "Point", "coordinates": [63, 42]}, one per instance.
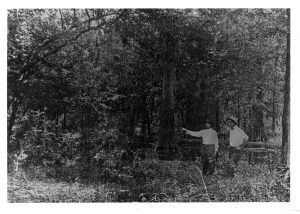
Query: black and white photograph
{"type": "Point", "coordinates": [148, 105]}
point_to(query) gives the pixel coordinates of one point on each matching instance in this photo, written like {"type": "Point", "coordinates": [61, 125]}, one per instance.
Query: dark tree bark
{"type": "Point", "coordinates": [189, 113]}
{"type": "Point", "coordinates": [273, 111]}
{"type": "Point", "coordinates": [167, 121]}
{"type": "Point", "coordinates": [131, 121]}
{"type": "Point", "coordinates": [14, 101]}
{"type": "Point", "coordinates": [206, 108]}
{"type": "Point", "coordinates": [218, 128]}
{"type": "Point", "coordinates": [238, 110]}
{"type": "Point", "coordinates": [64, 124]}
{"type": "Point", "coordinates": [56, 124]}
{"type": "Point", "coordinates": [258, 129]}
{"type": "Point", "coordinates": [12, 119]}
{"type": "Point", "coordinates": [274, 100]}
{"type": "Point", "coordinates": [286, 107]}
{"type": "Point", "coordinates": [147, 121]}
{"type": "Point", "coordinates": [149, 131]}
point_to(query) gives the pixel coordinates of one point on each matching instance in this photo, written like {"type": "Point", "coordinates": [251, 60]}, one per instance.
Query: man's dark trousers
{"type": "Point", "coordinates": [207, 152]}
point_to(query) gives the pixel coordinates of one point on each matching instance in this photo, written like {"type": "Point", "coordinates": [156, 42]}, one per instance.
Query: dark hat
{"type": "Point", "coordinates": [209, 121]}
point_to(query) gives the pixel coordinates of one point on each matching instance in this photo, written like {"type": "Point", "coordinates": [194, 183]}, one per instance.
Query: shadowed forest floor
{"type": "Point", "coordinates": [166, 181]}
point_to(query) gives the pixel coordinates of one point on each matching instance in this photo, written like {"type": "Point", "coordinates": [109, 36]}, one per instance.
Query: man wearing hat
{"type": "Point", "coordinates": [237, 138]}
{"type": "Point", "coordinates": [209, 147]}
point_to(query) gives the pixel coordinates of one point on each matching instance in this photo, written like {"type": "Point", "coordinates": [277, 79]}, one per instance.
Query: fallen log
{"type": "Point", "coordinates": [266, 145]}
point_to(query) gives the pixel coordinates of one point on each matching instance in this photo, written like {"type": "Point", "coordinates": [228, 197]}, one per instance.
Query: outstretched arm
{"type": "Point", "coordinates": [192, 133]}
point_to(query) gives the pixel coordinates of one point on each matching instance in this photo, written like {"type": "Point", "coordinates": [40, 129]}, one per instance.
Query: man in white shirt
{"type": "Point", "coordinates": [237, 138]}
{"type": "Point", "coordinates": [209, 147]}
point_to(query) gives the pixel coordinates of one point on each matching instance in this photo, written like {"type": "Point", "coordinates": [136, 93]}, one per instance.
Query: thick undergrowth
{"type": "Point", "coordinates": [152, 180]}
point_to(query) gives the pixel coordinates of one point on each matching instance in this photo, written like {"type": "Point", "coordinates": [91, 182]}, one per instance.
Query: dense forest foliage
{"type": "Point", "coordinates": [101, 94]}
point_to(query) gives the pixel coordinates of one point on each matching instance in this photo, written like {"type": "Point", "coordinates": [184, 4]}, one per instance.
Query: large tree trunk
{"type": "Point", "coordinates": [238, 110]}
{"type": "Point", "coordinates": [188, 120]}
{"type": "Point", "coordinates": [167, 121]}
{"type": "Point", "coordinates": [13, 97]}
{"type": "Point", "coordinates": [286, 107]}
{"type": "Point", "coordinates": [274, 101]}
{"type": "Point", "coordinates": [258, 129]}
{"type": "Point", "coordinates": [64, 124]}
{"type": "Point", "coordinates": [131, 121]}
{"type": "Point", "coordinates": [206, 109]}
{"type": "Point", "coordinates": [218, 128]}
{"type": "Point", "coordinates": [147, 120]}
{"type": "Point", "coordinates": [12, 119]}
{"type": "Point", "coordinates": [273, 111]}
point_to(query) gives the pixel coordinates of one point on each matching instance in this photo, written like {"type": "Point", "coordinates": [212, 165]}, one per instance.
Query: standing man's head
{"type": "Point", "coordinates": [231, 121]}
{"type": "Point", "coordinates": [208, 124]}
